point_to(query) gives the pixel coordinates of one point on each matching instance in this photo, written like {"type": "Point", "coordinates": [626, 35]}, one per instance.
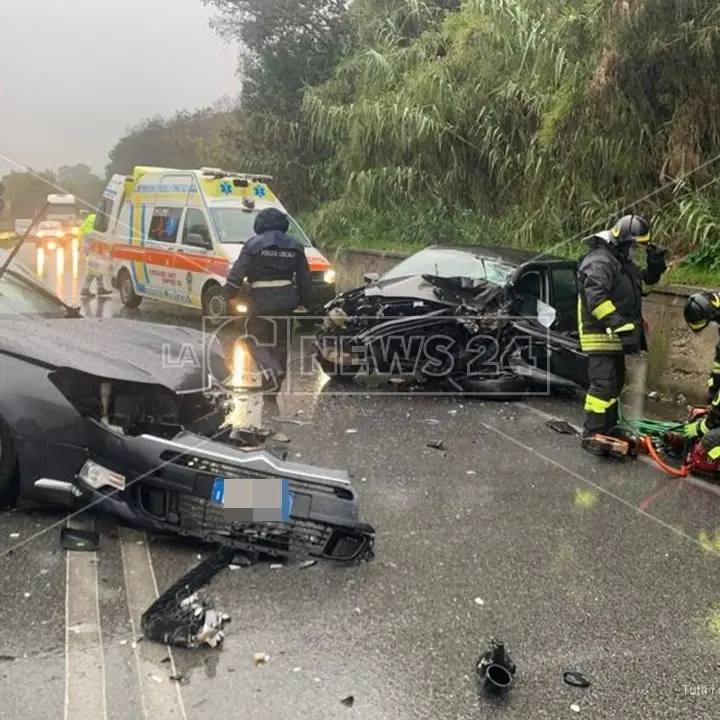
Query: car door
{"type": "Point", "coordinates": [160, 248]}
{"type": "Point", "coordinates": [566, 359]}
{"type": "Point", "coordinates": [530, 342]}
{"type": "Point", "coordinates": [193, 256]}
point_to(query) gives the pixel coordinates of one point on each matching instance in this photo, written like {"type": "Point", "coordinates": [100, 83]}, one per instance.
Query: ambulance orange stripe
{"type": "Point", "coordinates": [187, 261]}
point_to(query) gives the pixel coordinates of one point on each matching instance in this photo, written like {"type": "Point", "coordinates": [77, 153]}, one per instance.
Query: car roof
{"type": "Point", "coordinates": [511, 256]}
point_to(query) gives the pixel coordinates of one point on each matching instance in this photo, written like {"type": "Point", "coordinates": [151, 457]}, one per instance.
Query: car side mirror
{"type": "Point", "coordinates": [197, 240]}
{"type": "Point", "coordinates": [371, 277]}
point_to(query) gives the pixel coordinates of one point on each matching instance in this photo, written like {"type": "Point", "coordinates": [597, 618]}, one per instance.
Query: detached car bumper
{"type": "Point", "coordinates": [168, 489]}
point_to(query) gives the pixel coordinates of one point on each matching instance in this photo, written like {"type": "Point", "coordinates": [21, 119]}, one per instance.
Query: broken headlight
{"type": "Point", "coordinates": [98, 477]}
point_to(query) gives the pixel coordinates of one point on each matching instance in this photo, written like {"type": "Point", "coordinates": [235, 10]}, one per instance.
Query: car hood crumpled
{"type": "Point", "coordinates": [117, 349]}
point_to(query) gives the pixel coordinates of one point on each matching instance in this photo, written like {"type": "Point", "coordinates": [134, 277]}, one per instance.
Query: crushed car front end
{"type": "Point", "coordinates": [422, 326]}
{"type": "Point", "coordinates": [149, 457]}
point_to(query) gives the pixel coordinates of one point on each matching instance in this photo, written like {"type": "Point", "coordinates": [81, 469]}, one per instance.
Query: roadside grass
{"type": "Point", "coordinates": [336, 226]}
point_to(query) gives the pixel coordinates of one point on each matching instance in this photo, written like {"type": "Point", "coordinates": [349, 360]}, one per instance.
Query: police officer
{"type": "Point", "coordinates": [90, 275]}
{"type": "Point", "coordinates": [274, 269]}
{"type": "Point", "coordinates": [610, 316]}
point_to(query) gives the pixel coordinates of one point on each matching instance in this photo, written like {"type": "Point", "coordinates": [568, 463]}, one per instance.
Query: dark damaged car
{"type": "Point", "coordinates": [102, 413]}
{"type": "Point", "coordinates": [479, 320]}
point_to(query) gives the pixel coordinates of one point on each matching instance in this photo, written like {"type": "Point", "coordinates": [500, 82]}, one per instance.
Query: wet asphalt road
{"type": "Point", "coordinates": [575, 563]}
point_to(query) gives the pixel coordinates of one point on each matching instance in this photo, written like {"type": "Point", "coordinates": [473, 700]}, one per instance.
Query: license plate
{"type": "Point", "coordinates": [217, 496]}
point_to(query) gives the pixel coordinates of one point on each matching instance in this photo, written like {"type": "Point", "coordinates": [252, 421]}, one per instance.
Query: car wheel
{"type": "Point", "coordinates": [128, 296]}
{"type": "Point", "coordinates": [8, 467]}
{"type": "Point", "coordinates": [214, 304]}
{"type": "Point", "coordinates": [335, 371]}
{"type": "Point", "coordinates": [500, 386]}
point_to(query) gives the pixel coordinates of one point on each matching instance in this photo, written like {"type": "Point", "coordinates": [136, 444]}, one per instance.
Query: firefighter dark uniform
{"type": "Point", "coordinates": [273, 275]}
{"type": "Point", "coordinates": [610, 314]}
{"type": "Point", "coordinates": [700, 310]}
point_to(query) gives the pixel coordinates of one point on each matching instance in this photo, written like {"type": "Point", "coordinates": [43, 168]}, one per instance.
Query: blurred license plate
{"type": "Point", "coordinates": [217, 496]}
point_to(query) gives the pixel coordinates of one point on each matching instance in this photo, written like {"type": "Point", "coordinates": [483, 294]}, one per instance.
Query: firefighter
{"type": "Point", "coordinates": [610, 317]}
{"type": "Point", "coordinates": [90, 273]}
{"type": "Point", "coordinates": [700, 310]}
{"type": "Point", "coordinates": [273, 276]}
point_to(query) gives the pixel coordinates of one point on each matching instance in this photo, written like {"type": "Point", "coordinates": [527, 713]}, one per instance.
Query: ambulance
{"type": "Point", "coordinates": [172, 235]}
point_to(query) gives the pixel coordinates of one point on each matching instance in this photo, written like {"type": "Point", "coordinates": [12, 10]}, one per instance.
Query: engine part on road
{"type": "Point", "coordinates": [496, 669]}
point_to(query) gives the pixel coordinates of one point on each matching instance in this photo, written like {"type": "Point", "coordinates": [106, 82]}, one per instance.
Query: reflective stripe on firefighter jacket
{"type": "Point", "coordinates": [609, 300]}
{"type": "Point", "coordinates": [714, 379]}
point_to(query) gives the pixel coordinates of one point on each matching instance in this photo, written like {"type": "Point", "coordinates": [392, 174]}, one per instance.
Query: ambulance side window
{"type": "Point", "coordinates": [196, 224]}
{"type": "Point", "coordinates": [164, 224]}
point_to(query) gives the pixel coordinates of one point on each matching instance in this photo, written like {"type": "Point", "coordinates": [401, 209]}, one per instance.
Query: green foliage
{"type": "Point", "coordinates": [550, 117]}
{"type": "Point", "coordinates": [523, 122]}
{"type": "Point", "coordinates": [26, 192]}
{"type": "Point", "coordinates": [185, 140]}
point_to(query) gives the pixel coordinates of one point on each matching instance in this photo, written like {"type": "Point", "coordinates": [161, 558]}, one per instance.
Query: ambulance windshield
{"type": "Point", "coordinates": [234, 226]}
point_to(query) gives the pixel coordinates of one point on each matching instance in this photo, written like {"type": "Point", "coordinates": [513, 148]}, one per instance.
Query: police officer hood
{"type": "Point", "coordinates": [271, 220]}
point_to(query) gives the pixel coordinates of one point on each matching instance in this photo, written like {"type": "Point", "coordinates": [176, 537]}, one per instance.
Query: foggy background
{"type": "Point", "coordinates": [76, 73]}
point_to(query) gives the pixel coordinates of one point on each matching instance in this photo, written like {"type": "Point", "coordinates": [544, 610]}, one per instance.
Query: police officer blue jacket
{"type": "Point", "coordinates": [272, 266]}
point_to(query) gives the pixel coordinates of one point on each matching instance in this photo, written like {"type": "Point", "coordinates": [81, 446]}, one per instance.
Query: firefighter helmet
{"type": "Point", "coordinates": [629, 229]}
{"type": "Point", "coordinates": [701, 309]}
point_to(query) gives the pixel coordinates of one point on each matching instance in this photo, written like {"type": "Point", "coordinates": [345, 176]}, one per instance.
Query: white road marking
{"type": "Point", "coordinates": [595, 486]}
{"type": "Point", "coordinates": [84, 654]}
{"type": "Point", "coordinates": [160, 700]}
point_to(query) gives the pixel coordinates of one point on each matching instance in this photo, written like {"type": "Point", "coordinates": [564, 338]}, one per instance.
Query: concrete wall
{"type": "Point", "coordinates": [678, 362]}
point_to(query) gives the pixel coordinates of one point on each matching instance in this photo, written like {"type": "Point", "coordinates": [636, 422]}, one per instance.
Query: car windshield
{"type": "Point", "coordinates": [235, 225]}
{"type": "Point", "coordinates": [452, 263]}
{"type": "Point", "coordinates": [21, 294]}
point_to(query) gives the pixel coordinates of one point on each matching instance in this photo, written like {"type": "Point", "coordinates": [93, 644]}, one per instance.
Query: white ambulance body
{"type": "Point", "coordinates": [172, 235]}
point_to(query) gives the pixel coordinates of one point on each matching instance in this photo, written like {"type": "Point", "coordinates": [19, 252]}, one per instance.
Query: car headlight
{"type": "Point", "coordinates": [97, 476]}
{"type": "Point", "coordinates": [329, 276]}
{"type": "Point", "coordinates": [76, 231]}
{"type": "Point", "coordinates": [51, 245]}
{"type": "Point", "coordinates": [59, 234]}
{"type": "Point", "coordinates": [241, 308]}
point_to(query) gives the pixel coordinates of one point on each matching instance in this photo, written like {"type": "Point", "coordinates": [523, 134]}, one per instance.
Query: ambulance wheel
{"type": "Point", "coordinates": [128, 296]}
{"type": "Point", "coordinates": [214, 304]}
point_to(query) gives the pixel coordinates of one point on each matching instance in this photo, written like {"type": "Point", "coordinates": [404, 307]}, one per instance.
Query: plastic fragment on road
{"type": "Point", "coordinates": [575, 707]}
{"type": "Point", "coordinates": [260, 659]}
{"type": "Point", "coordinates": [479, 601]}
{"type": "Point", "coordinates": [562, 427]}
{"type": "Point", "coordinates": [181, 617]}
{"type": "Point", "coordinates": [575, 679]}
{"type": "Point", "coordinates": [79, 540]}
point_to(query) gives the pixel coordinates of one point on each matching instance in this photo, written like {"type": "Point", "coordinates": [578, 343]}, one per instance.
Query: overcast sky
{"type": "Point", "coordinates": [74, 74]}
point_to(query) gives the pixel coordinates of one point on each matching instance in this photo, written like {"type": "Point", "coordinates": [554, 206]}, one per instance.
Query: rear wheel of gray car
{"type": "Point", "coordinates": [8, 467]}
{"type": "Point", "coordinates": [337, 372]}
{"type": "Point", "coordinates": [500, 386]}
{"type": "Point", "coordinates": [128, 296]}
{"type": "Point", "coordinates": [214, 304]}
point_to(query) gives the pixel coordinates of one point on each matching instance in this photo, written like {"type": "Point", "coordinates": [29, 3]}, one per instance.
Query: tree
{"type": "Point", "coordinates": [286, 46]}
{"type": "Point", "coordinates": [181, 141]}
